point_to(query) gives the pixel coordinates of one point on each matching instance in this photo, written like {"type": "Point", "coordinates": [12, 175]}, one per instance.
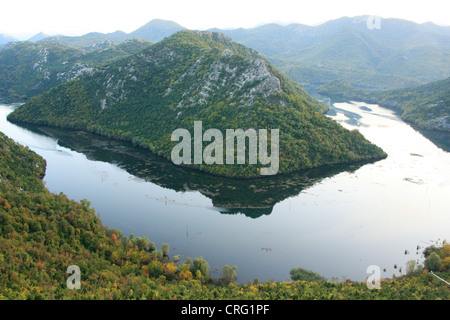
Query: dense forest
{"type": "Point", "coordinates": [426, 106]}
{"type": "Point", "coordinates": [199, 76]}
{"type": "Point", "coordinates": [42, 234]}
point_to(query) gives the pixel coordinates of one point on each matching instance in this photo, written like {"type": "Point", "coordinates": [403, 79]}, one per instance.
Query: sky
{"type": "Point", "coordinates": [24, 18]}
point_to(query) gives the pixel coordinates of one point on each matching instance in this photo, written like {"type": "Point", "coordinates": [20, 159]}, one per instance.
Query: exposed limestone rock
{"type": "Point", "coordinates": [441, 123]}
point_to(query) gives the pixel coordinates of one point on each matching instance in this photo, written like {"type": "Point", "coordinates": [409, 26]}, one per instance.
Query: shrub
{"type": "Point", "coordinates": [412, 268]}
{"type": "Point", "coordinates": [445, 266]}
{"type": "Point", "coordinates": [165, 249]}
{"type": "Point", "coordinates": [444, 252]}
{"type": "Point", "coordinates": [229, 274]}
{"type": "Point", "coordinates": [306, 275]}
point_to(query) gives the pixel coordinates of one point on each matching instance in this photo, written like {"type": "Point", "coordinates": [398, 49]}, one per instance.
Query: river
{"type": "Point", "coordinates": [335, 221]}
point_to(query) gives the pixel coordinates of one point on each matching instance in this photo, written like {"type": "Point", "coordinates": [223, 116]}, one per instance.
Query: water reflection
{"type": "Point", "coordinates": [252, 197]}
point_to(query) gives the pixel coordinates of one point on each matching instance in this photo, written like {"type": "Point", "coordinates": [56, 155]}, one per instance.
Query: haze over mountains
{"type": "Point", "coordinates": [154, 31]}
{"type": "Point", "coordinates": [39, 36]}
{"type": "Point", "coordinates": [398, 54]}
{"type": "Point", "coordinates": [4, 38]}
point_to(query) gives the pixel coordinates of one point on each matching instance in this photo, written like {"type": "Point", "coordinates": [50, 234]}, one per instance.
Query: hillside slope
{"type": "Point", "coordinates": [27, 68]}
{"type": "Point", "coordinates": [426, 106]}
{"type": "Point", "coordinates": [199, 76]}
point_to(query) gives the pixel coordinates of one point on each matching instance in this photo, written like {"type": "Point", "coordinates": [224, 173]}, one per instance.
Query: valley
{"type": "Point", "coordinates": [282, 161]}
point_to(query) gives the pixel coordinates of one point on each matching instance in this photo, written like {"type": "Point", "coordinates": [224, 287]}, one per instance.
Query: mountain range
{"type": "Point", "coordinates": [341, 57]}
{"type": "Point", "coordinates": [154, 31]}
{"type": "Point", "coordinates": [199, 76]}
{"type": "Point", "coordinates": [38, 37]}
{"type": "Point", "coordinates": [4, 38]}
{"type": "Point", "coordinates": [397, 54]}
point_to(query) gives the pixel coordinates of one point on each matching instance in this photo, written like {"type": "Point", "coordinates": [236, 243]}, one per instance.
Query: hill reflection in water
{"type": "Point", "coordinates": [252, 197]}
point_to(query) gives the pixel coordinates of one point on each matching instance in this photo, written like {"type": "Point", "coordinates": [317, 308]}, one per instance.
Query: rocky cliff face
{"type": "Point", "coordinates": [242, 74]}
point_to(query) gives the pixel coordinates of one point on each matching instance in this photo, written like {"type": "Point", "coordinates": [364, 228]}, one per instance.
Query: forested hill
{"type": "Point", "coordinates": [199, 76]}
{"type": "Point", "coordinates": [427, 106]}
{"type": "Point", "coordinates": [29, 68]}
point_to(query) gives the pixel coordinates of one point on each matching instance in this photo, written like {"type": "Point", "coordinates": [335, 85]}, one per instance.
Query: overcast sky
{"type": "Point", "coordinates": [24, 18]}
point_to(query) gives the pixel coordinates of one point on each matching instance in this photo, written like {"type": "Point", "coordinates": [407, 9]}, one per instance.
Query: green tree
{"type": "Point", "coordinates": [201, 265]}
{"type": "Point", "coordinates": [433, 262]}
{"type": "Point", "coordinates": [229, 274]}
{"type": "Point", "coordinates": [142, 243]}
{"type": "Point", "coordinates": [412, 268]}
{"type": "Point", "coordinates": [165, 249]}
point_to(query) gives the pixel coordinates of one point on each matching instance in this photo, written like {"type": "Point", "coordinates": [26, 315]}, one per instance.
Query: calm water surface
{"type": "Point", "coordinates": [334, 221]}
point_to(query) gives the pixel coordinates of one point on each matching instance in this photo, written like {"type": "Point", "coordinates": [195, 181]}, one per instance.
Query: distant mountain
{"type": "Point", "coordinates": [426, 106]}
{"type": "Point", "coordinates": [27, 68]}
{"type": "Point", "coordinates": [4, 38]}
{"type": "Point", "coordinates": [39, 36]}
{"type": "Point", "coordinates": [398, 54]}
{"type": "Point", "coordinates": [272, 39]}
{"type": "Point", "coordinates": [153, 31]}
{"type": "Point", "coordinates": [93, 40]}
{"type": "Point", "coordinates": [295, 38]}
{"type": "Point", "coordinates": [156, 30]}
{"type": "Point", "coordinates": [199, 76]}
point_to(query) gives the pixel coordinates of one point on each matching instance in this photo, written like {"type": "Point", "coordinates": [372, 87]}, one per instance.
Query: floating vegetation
{"type": "Point", "coordinates": [417, 181]}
